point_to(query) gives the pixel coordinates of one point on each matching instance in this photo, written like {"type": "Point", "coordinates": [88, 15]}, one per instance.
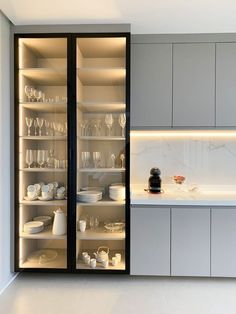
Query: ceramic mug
{"type": "Point", "coordinates": [45, 194]}
{"type": "Point", "coordinates": [114, 261]}
{"type": "Point", "coordinates": [93, 263]}
{"type": "Point", "coordinates": [31, 195]}
{"type": "Point", "coordinates": [84, 254]}
{"type": "Point", "coordinates": [118, 256]}
{"type": "Point", "coordinates": [105, 263]}
{"type": "Point", "coordinates": [87, 260]}
{"type": "Point", "coordinates": [82, 225]}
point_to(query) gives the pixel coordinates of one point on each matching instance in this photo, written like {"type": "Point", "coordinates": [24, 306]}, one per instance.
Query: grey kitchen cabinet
{"type": "Point", "coordinates": [194, 85]}
{"type": "Point", "coordinates": [151, 85]}
{"type": "Point", "coordinates": [223, 242]}
{"type": "Point", "coordinates": [150, 241]}
{"type": "Point", "coordinates": [225, 84]}
{"type": "Point", "coordinates": [190, 242]}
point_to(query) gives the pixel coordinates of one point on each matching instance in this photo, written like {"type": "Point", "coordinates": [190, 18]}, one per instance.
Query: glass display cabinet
{"type": "Point", "coordinates": [72, 152]}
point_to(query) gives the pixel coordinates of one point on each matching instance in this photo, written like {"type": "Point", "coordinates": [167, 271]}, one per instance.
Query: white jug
{"type": "Point", "coordinates": [59, 224]}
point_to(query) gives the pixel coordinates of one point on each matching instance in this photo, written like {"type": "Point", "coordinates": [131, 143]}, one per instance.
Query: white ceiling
{"type": "Point", "coordinates": [145, 16]}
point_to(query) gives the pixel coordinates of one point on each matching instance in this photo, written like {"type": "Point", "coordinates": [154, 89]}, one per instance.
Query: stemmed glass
{"type": "Point", "coordinates": [85, 156]}
{"type": "Point", "coordinates": [29, 122]}
{"type": "Point", "coordinates": [35, 127]}
{"type": "Point", "coordinates": [29, 157]}
{"type": "Point", "coordinates": [29, 91]}
{"type": "Point", "coordinates": [109, 122]}
{"type": "Point", "coordinates": [47, 125]}
{"type": "Point", "coordinates": [113, 159]}
{"type": "Point", "coordinates": [41, 157]}
{"type": "Point", "coordinates": [37, 94]}
{"type": "Point", "coordinates": [122, 122]}
{"type": "Point", "coordinates": [122, 158]}
{"type": "Point", "coordinates": [97, 159]}
{"type": "Point", "coordinates": [40, 124]}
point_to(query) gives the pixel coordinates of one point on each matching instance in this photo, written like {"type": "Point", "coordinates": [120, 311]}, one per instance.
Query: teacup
{"type": "Point", "coordinates": [45, 194]}
{"type": "Point", "coordinates": [105, 263]}
{"type": "Point", "coordinates": [60, 196]}
{"type": "Point", "coordinates": [31, 195]}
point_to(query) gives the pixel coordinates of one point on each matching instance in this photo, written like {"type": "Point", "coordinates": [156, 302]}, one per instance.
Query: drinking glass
{"type": "Point", "coordinates": [45, 157]}
{"type": "Point", "coordinates": [96, 222]}
{"type": "Point", "coordinates": [35, 127]}
{"type": "Point", "coordinates": [29, 158]}
{"type": "Point", "coordinates": [47, 125]}
{"type": "Point", "coordinates": [113, 159]}
{"type": "Point", "coordinates": [85, 157]}
{"type": "Point", "coordinates": [97, 159]}
{"type": "Point", "coordinates": [40, 157]}
{"type": "Point", "coordinates": [29, 122]}
{"type": "Point", "coordinates": [97, 127]}
{"type": "Point", "coordinates": [122, 158]}
{"type": "Point", "coordinates": [40, 124]}
{"type": "Point", "coordinates": [109, 122]}
{"type": "Point", "coordinates": [122, 123]}
{"type": "Point", "coordinates": [91, 222]}
{"type": "Point", "coordinates": [29, 91]}
{"type": "Point", "coordinates": [37, 94]}
{"type": "Point", "coordinates": [35, 164]}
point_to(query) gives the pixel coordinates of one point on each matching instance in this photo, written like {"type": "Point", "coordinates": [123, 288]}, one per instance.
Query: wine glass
{"type": "Point", "coordinates": [41, 157]}
{"type": "Point", "coordinates": [122, 122]}
{"type": "Point", "coordinates": [47, 125]}
{"type": "Point", "coordinates": [109, 122]}
{"type": "Point", "coordinates": [29, 91]}
{"type": "Point", "coordinates": [29, 122]}
{"type": "Point", "coordinates": [35, 127]}
{"type": "Point", "coordinates": [122, 158]}
{"type": "Point", "coordinates": [29, 158]}
{"type": "Point", "coordinates": [85, 156]}
{"type": "Point", "coordinates": [97, 159]}
{"type": "Point", "coordinates": [113, 159]}
{"type": "Point", "coordinates": [37, 94]}
{"type": "Point", "coordinates": [40, 124]}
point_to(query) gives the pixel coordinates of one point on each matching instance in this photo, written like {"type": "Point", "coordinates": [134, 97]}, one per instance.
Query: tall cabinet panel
{"type": "Point", "coordinates": [225, 84]}
{"type": "Point", "coordinates": [102, 153]}
{"type": "Point", "coordinates": [194, 85]}
{"type": "Point", "coordinates": [41, 153]}
{"type": "Point", "coordinates": [151, 72]}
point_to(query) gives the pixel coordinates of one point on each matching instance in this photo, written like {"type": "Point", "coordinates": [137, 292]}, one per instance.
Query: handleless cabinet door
{"type": "Point", "coordinates": [225, 84]}
{"type": "Point", "coordinates": [223, 246]}
{"type": "Point", "coordinates": [151, 85]}
{"type": "Point", "coordinates": [190, 242]}
{"type": "Point", "coordinates": [194, 84]}
{"type": "Point", "coordinates": [150, 241]}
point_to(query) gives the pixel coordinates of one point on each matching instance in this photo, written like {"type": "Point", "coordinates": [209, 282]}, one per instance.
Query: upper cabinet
{"type": "Point", "coordinates": [194, 85]}
{"type": "Point", "coordinates": [225, 84]}
{"type": "Point", "coordinates": [151, 85]}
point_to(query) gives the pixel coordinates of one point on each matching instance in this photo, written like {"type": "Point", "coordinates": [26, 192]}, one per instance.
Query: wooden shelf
{"type": "Point", "coordinates": [49, 170]}
{"type": "Point", "coordinates": [59, 262]}
{"type": "Point", "coordinates": [100, 234]}
{"type": "Point", "coordinates": [102, 76]}
{"type": "Point", "coordinates": [46, 234]}
{"type": "Point", "coordinates": [44, 138]}
{"type": "Point", "coordinates": [45, 107]}
{"type": "Point", "coordinates": [46, 76]}
{"type": "Point", "coordinates": [44, 203]}
{"type": "Point", "coordinates": [121, 266]}
{"type": "Point", "coordinates": [101, 107]}
{"type": "Point", "coordinates": [103, 202]}
{"type": "Point", "coordinates": [101, 170]}
{"type": "Point", "coordinates": [101, 138]}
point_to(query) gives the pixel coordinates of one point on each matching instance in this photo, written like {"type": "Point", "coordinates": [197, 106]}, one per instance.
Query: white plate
{"type": "Point", "coordinates": [33, 227]}
{"type": "Point", "coordinates": [46, 220]}
{"type": "Point", "coordinates": [31, 199]}
{"type": "Point", "coordinates": [45, 199]}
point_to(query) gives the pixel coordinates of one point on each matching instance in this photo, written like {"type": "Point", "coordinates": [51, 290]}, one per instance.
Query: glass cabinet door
{"type": "Point", "coordinates": [101, 154]}
{"type": "Point", "coordinates": [41, 161]}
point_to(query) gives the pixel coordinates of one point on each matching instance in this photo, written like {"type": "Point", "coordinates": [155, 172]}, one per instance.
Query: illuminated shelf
{"type": "Point", "coordinates": [121, 266]}
{"type": "Point", "coordinates": [50, 170]}
{"type": "Point", "coordinates": [45, 107]}
{"type": "Point", "coordinates": [100, 234]}
{"type": "Point", "coordinates": [101, 138]}
{"type": "Point", "coordinates": [103, 202]}
{"type": "Point", "coordinates": [101, 107]}
{"type": "Point", "coordinates": [44, 138]}
{"type": "Point", "coordinates": [46, 234]}
{"type": "Point", "coordinates": [102, 76]}
{"type": "Point", "coordinates": [59, 262]}
{"type": "Point", "coordinates": [44, 203]}
{"type": "Point", "coordinates": [101, 170]}
{"type": "Point", "coordinates": [46, 76]}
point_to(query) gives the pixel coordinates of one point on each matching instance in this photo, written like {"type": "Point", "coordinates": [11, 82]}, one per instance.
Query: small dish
{"type": "Point", "coordinates": [49, 198]}
{"type": "Point", "coordinates": [27, 198]}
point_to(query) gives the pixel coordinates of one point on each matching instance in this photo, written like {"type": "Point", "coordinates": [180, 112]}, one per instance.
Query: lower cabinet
{"type": "Point", "coordinates": [150, 241]}
{"type": "Point", "coordinates": [223, 242]}
{"type": "Point", "coordinates": [190, 242]}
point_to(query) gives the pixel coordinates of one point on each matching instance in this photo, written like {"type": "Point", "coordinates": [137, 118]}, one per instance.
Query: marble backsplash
{"type": "Point", "coordinates": [210, 161]}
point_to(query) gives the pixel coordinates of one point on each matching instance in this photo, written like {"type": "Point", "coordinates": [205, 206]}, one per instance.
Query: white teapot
{"type": "Point", "coordinates": [102, 254]}
{"type": "Point", "coordinates": [59, 224]}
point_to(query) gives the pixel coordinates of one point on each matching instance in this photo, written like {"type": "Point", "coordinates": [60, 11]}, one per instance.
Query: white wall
{"type": "Point", "coordinates": [5, 155]}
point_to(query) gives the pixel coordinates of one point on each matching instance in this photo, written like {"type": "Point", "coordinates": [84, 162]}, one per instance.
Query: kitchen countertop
{"type": "Point", "coordinates": [205, 196]}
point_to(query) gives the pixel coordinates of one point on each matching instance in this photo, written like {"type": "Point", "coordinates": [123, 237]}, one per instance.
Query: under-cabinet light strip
{"type": "Point", "coordinates": [184, 134]}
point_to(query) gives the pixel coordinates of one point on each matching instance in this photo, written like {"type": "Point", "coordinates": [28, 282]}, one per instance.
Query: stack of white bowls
{"type": "Point", "coordinates": [117, 192]}
{"type": "Point", "coordinates": [33, 227]}
{"type": "Point", "coordinates": [89, 196]}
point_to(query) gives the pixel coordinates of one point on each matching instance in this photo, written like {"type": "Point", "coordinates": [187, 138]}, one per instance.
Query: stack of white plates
{"type": "Point", "coordinates": [117, 192]}
{"type": "Point", "coordinates": [94, 188]}
{"type": "Point", "coordinates": [46, 220]}
{"type": "Point", "coordinates": [89, 196]}
{"type": "Point", "coordinates": [33, 227]}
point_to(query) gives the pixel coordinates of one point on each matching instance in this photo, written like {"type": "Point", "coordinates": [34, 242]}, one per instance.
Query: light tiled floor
{"type": "Point", "coordinates": [69, 294]}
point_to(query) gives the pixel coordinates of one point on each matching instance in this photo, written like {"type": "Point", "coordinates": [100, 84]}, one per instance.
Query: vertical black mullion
{"type": "Point", "coordinates": [127, 211]}
{"type": "Point", "coordinates": [71, 116]}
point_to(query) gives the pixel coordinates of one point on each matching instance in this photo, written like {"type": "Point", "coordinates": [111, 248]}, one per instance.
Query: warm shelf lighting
{"type": "Point", "coordinates": [184, 134]}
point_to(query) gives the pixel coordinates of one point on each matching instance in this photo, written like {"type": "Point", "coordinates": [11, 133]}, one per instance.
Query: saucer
{"type": "Point", "coordinates": [49, 198]}
{"type": "Point", "coordinates": [59, 197]}
{"type": "Point", "coordinates": [27, 198]}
